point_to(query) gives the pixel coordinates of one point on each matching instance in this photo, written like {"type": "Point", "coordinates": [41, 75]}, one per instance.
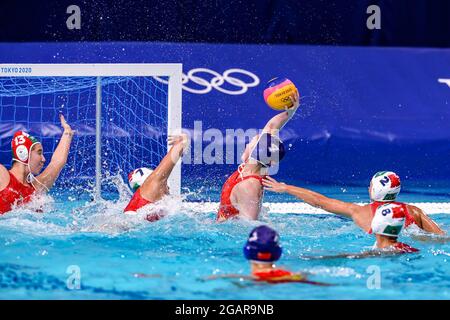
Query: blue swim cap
{"type": "Point", "coordinates": [269, 148]}
{"type": "Point", "coordinates": [263, 245]}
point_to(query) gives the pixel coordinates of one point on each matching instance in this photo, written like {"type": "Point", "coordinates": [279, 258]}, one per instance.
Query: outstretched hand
{"type": "Point", "coordinates": [175, 139]}
{"type": "Point", "coordinates": [271, 184]}
{"type": "Point", "coordinates": [67, 129]}
{"type": "Point", "coordinates": [295, 99]}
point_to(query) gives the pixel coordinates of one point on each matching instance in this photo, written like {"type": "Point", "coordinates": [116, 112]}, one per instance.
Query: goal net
{"type": "Point", "coordinates": [122, 114]}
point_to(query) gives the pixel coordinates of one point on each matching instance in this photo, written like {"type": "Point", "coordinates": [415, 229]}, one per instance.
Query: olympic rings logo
{"type": "Point", "coordinates": [217, 81]}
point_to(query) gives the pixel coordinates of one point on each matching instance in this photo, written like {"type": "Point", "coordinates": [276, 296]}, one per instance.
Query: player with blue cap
{"type": "Point", "coordinates": [263, 245]}
{"type": "Point", "coordinates": [243, 191]}
{"type": "Point", "coordinates": [263, 249]}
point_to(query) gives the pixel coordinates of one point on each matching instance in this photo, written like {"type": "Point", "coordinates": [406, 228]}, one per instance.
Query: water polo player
{"type": "Point", "coordinates": [152, 186]}
{"type": "Point", "coordinates": [384, 188]}
{"type": "Point", "coordinates": [387, 224]}
{"type": "Point", "coordinates": [19, 183]}
{"type": "Point", "coordinates": [262, 250]}
{"type": "Point", "coordinates": [242, 192]}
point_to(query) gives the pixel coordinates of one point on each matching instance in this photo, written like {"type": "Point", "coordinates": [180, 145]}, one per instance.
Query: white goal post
{"type": "Point", "coordinates": [172, 71]}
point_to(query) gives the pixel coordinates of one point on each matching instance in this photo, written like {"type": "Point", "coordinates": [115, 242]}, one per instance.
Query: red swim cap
{"type": "Point", "coordinates": [21, 145]}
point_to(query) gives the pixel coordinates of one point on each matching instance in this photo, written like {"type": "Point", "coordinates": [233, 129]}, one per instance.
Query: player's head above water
{"type": "Point", "coordinates": [268, 150]}
{"type": "Point", "coordinates": [137, 177]}
{"type": "Point", "coordinates": [28, 151]}
{"type": "Point", "coordinates": [384, 186]}
{"type": "Point", "coordinates": [388, 220]}
{"type": "Point", "coordinates": [263, 245]}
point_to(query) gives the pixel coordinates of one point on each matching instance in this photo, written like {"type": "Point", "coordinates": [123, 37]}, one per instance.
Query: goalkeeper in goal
{"type": "Point", "coordinates": [24, 180]}
{"type": "Point", "coordinates": [150, 186]}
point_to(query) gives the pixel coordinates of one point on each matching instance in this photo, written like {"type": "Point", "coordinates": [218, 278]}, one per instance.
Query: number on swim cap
{"type": "Point", "coordinates": [137, 177]}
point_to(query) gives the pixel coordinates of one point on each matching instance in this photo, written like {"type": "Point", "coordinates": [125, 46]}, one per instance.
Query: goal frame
{"type": "Point", "coordinates": [99, 70]}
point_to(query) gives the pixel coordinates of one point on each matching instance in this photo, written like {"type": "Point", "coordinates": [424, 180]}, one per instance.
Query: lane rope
{"type": "Point", "coordinates": [303, 208]}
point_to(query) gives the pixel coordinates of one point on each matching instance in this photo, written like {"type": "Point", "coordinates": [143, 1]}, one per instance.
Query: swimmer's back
{"type": "Point", "coordinates": [364, 215]}
{"type": "Point", "coordinates": [238, 189]}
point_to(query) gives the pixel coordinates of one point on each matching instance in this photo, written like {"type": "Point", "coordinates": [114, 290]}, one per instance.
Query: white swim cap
{"type": "Point", "coordinates": [388, 220]}
{"type": "Point", "coordinates": [385, 186]}
{"type": "Point", "coordinates": [137, 177]}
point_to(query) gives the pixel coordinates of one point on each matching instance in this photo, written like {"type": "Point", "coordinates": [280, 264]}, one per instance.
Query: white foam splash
{"type": "Point", "coordinates": [39, 203]}
{"type": "Point", "coordinates": [335, 272]}
{"type": "Point", "coordinates": [440, 252]}
{"type": "Point", "coordinates": [107, 217]}
{"type": "Point", "coordinates": [19, 222]}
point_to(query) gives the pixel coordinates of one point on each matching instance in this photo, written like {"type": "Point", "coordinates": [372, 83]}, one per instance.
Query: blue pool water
{"type": "Point", "coordinates": [177, 252]}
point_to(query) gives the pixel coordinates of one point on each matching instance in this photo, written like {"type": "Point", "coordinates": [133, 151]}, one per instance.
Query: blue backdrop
{"type": "Point", "coordinates": [362, 109]}
{"type": "Point", "coordinates": [422, 23]}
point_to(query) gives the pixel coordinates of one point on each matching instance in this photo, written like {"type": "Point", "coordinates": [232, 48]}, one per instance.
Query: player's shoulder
{"type": "Point", "coordinates": [412, 207]}
{"type": "Point", "coordinates": [414, 211]}
{"type": "Point", "coordinates": [357, 209]}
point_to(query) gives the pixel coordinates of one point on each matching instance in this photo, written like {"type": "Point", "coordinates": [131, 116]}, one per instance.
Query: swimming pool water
{"type": "Point", "coordinates": [179, 251]}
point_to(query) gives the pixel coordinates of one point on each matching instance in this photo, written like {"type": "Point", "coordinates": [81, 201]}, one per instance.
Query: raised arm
{"type": "Point", "coordinates": [248, 148]}
{"type": "Point", "coordinates": [312, 198]}
{"type": "Point", "coordinates": [274, 125]}
{"type": "Point", "coordinates": [48, 177]}
{"type": "Point", "coordinates": [278, 121]}
{"type": "Point", "coordinates": [163, 170]}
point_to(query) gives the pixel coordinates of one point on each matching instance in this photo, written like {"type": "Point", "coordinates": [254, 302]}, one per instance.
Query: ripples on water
{"type": "Point", "coordinates": [177, 252]}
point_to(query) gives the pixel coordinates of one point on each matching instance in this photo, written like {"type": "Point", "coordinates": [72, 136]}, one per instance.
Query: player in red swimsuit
{"type": "Point", "coordinates": [263, 250]}
{"type": "Point", "coordinates": [242, 192]}
{"type": "Point", "coordinates": [384, 188]}
{"type": "Point", "coordinates": [19, 183]}
{"type": "Point", "coordinates": [154, 183]}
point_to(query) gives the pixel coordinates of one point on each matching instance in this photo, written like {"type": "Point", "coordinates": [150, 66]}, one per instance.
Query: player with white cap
{"type": "Point", "coordinates": [384, 188]}
{"type": "Point", "coordinates": [387, 224]}
{"type": "Point", "coordinates": [150, 186]}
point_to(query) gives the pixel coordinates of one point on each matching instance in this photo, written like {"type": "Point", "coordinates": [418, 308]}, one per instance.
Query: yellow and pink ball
{"type": "Point", "coordinates": [278, 92]}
